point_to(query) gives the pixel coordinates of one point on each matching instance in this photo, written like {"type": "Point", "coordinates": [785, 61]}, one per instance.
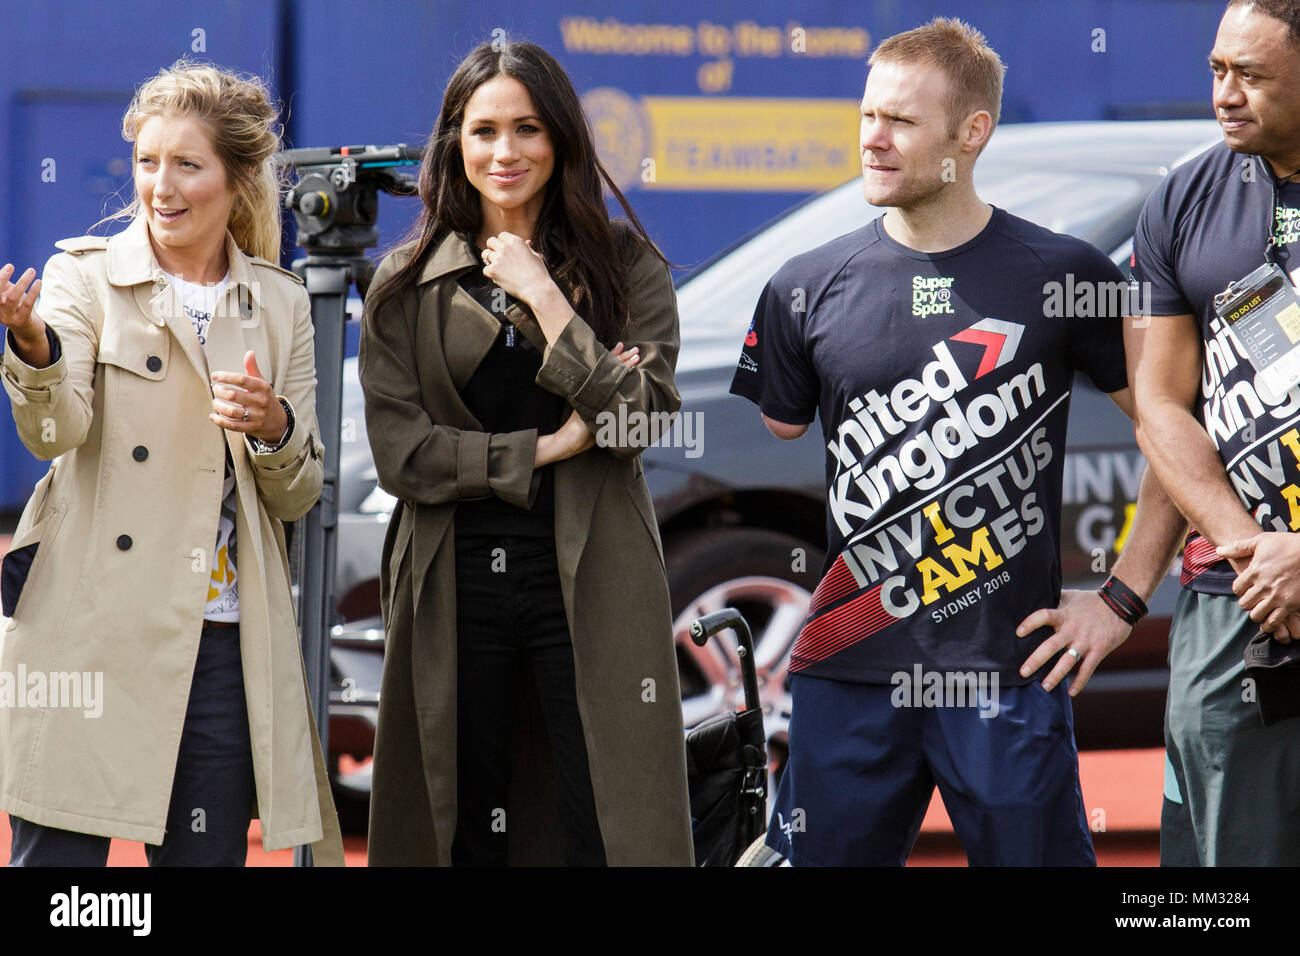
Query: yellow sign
{"type": "Point", "coordinates": [724, 144]}
{"type": "Point", "coordinates": [743, 145]}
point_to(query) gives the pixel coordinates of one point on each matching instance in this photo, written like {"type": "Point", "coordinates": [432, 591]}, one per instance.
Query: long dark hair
{"type": "Point", "coordinates": [586, 254]}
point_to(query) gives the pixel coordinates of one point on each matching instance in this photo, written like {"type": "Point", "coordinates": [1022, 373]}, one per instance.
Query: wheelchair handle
{"type": "Point", "coordinates": [705, 627]}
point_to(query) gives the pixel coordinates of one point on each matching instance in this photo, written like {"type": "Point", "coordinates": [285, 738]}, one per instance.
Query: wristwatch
{"type": "Point", "coordinates": [265, 448]}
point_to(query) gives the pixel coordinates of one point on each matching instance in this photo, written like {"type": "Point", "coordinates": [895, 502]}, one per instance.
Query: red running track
{"type": "Point", "coordinates": [1121, 792]}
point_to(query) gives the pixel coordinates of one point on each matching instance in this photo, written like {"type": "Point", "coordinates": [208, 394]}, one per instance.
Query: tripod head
{"type": "Point", "coordinates": [335, 201]}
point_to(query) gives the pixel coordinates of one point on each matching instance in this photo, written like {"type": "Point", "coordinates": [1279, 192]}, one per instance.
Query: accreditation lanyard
{"type": "Point", "coordinates": [1262, 310]}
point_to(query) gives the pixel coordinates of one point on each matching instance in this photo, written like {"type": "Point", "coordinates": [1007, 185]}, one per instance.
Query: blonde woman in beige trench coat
{"type": "Point", "coordinates": [109, 573]}
{"type": "Point", "coordinates": [509, 159]}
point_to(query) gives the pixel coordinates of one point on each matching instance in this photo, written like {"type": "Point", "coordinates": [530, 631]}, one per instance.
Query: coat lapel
{"type": "Point", "coordinates": [131, 263]}
{"type": "Point", "coordinates": [470, 329]}
{"type": "Point", "coordinates": [469, 336]}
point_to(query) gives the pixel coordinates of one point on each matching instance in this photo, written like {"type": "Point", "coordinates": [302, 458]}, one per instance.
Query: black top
{"type": "Point", "coordinates": [943, 382]}
{"type": "Point", "coordinates": [504, 396]}
{"type": "Point", "coordinates": [1204, 226]}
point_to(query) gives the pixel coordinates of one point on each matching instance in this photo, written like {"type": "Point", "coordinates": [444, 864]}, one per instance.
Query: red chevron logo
{"type": "Point", "coordinates": [998, 339]}
{"type": "Point", "coordinates": [992, 343]}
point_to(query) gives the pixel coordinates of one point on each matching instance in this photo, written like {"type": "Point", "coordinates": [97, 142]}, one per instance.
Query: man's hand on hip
{"type": "Point", "coordinates": [1086, 629]}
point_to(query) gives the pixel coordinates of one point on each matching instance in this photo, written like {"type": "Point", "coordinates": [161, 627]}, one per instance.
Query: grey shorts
{"type": "Point", "coordinates": [1232, 785]}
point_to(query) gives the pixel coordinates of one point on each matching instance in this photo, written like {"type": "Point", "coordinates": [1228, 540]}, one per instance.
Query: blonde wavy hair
{"type": "Point", "coordinates": [242, 122]}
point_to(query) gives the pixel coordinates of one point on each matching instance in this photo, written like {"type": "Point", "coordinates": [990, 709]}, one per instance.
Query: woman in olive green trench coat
{"type": "Point", "coordinates": [422, 347]}
{"type": "Point", "coordinates": [422, 339]}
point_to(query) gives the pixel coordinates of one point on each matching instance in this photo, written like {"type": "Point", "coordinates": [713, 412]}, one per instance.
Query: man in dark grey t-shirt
{"type": "Point", "coordinates": [1225, 441]}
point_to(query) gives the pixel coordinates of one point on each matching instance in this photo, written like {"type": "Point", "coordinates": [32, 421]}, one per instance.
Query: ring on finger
{"type": "Point", "coordinates": [1072, 652]}
{"type": "Point", "coordinates": [246, 419]}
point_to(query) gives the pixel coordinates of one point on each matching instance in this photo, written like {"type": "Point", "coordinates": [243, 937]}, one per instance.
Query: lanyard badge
{"type": "Point", "coordinates": [1262, 311]}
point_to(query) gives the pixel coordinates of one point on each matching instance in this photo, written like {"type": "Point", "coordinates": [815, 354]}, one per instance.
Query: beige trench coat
{"type": "Point", "coordinates": [430, 452]}
{"type": "Point", "coordinates": [125, 521]}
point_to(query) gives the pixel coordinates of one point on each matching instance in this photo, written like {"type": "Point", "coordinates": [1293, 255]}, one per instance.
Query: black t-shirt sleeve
{"type": "Point", "coordinates": [775, 371]}
{"type": "Point", "coordinates": [1153, 255]}
{"type": "Point", "coordinates": [1096, 334]}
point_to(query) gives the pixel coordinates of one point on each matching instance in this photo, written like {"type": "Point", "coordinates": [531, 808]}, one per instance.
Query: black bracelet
{"type": "Point", "coordinates": [1123, 600]}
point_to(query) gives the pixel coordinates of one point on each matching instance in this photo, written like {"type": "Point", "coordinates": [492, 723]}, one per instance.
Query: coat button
{"type": "Point", "coordinates": [154, 363]}
{"type": "Point", "coordinates": [139, 453]}
{"type": "Point", "coordinates": [124, 542]}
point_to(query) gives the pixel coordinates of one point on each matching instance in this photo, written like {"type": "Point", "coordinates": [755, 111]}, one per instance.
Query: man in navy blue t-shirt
{"type": "Point", "coordinates": [1225, 440]}
{"type": "Point", "coordinates": [939, 345]}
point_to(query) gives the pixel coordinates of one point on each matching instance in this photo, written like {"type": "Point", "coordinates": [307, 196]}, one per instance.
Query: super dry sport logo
{"type": "Point", "coordinates": [931, 295]}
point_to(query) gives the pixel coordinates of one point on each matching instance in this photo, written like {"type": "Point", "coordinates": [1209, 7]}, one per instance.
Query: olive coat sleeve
{"type": "Point", "coordinates": [595, 383]}
{"type": "Point", "coordinates": [418, 459]}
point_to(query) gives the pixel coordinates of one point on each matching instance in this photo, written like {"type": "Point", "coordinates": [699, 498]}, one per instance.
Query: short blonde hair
{"type": "Point", "coordinates": [973, 69]}
{"type": "Point", "coordinates": [243, 124]}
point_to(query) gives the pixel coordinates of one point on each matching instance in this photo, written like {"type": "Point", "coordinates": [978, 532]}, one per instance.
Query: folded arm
{"type": "Point", "coordinates": [418, 460]}
{"type": "Point", "coordinates": [628, 408]}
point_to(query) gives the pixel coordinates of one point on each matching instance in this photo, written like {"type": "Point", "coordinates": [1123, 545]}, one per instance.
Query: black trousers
{"type": "Point", "coordinates": [212, 793]}
{"type": "Point", "coordinates": [511, 627]}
